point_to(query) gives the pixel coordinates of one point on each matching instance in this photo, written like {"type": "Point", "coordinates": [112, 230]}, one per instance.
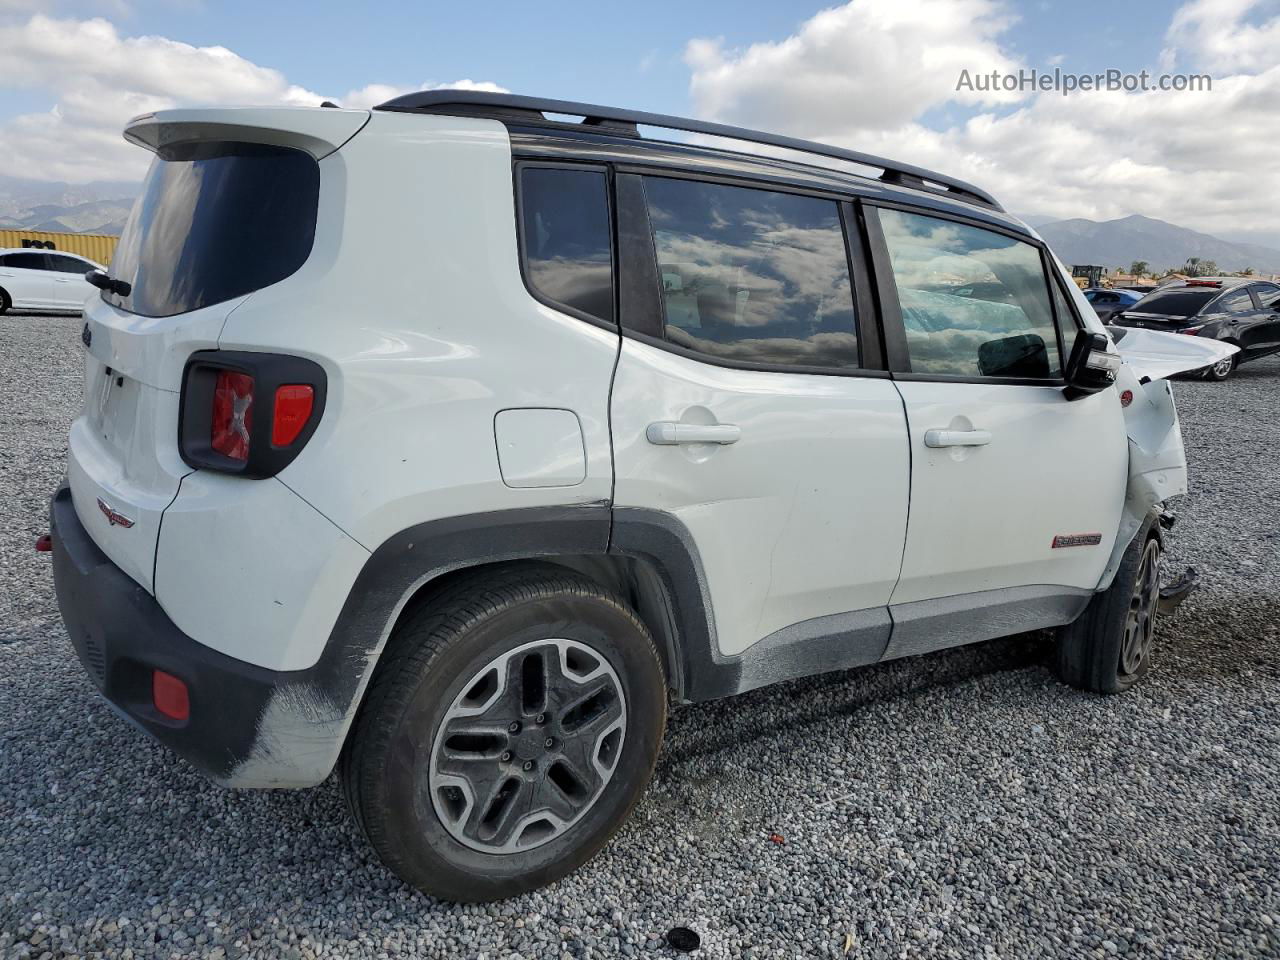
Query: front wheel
{"type": "Point", "coordinates": [1108, 647]}
{"type": "Point", "coordinates": [509, 731]}
{"type": "Point", "coordinates": [5, 303]}
{"type": "Point", "coordinates": [1222, 369]}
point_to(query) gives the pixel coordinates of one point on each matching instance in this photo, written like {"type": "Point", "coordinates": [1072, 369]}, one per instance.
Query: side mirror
{"type": "Point", "coordinates": [1092, 367]}
{"type": "Point", "coordinates": [1023, 355]}
{"type": "Point", "coordinates": [99, 279]}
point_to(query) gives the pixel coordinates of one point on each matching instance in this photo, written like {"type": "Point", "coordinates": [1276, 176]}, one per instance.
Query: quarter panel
{"type": "Point", "coordinates": [413, 302]}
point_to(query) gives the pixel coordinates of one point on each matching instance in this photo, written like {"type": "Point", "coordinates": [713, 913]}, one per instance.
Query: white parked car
{"type": "Point", "coordinates": [33, 279]}
{"type": "Point", "coordinates": [443, 443]}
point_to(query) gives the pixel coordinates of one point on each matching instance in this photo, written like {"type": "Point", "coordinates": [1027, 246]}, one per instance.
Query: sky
{"type": "Point", "coordinates": [876, 75]}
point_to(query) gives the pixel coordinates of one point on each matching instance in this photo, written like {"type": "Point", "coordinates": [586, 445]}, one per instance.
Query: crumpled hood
{"type": "Point", "coordinates": [1153, 355]}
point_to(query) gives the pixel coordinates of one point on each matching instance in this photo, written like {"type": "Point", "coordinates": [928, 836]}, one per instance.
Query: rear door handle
{"type": "Point", "coordinates": [666, 433]}
{"type": "Point", "coordinates": [956, 438]}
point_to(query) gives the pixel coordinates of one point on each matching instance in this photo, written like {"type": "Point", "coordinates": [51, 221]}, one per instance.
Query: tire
{"type": "Point", "coordinates": [1222, 369]}
{"type": "Point", "coordinates": [450, 812]}
{"type": "Point", "coordinates": [1108, 648]}
{"type": "Point", "coordinates": [5, 303]}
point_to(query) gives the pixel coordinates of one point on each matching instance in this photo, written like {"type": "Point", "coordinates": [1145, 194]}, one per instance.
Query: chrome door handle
{"type": "Point", "coordinates": [956, 438]}
{"type": "Point", "coordinates": [667, 433]}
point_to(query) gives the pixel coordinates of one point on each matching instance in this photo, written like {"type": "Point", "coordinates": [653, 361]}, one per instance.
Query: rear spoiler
{"type": "Point", "coordinates": [316, 131]}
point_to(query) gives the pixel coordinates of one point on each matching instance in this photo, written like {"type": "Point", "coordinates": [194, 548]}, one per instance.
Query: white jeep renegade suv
{"type": "Point", "coordinates": [444, 443]}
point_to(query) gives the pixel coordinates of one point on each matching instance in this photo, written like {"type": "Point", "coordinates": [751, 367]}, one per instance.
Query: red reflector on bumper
{"type": "Point", "coordinates": [169, 694]}
{"type": "Point", "coordinates": [44, 544]}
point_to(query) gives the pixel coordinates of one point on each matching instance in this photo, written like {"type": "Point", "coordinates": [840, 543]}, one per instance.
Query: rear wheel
{"type": "Point", "coordinates": [509, 731]}
{"type": "Point", "coordinates": [5, 303]}
{"type": "Point", "coordinates": [1108, 647]}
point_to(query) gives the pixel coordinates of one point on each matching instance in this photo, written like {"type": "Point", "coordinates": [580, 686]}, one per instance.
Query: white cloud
{"type": "Point", "coordinates": [99, 79]}
{"type": "Point", "coordinates": [863, 76]}
{"type": "Point", "coordinates": [376, 93]}
{"type": "Point", "coordinates": [1218, 35]}
{"type": "Point", "coordinates": [866, 64]}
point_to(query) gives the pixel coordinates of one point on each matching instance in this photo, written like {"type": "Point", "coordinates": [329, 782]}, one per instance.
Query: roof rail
{"type": "Point", "coordinates": [506, 106]}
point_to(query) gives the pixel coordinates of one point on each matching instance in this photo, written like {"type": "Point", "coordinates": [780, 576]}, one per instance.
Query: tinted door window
{"type": "Point", "coordinates": [216, 221]}
{"type": "Point", "coordinates": [974, 303]}
{"type": "Point", "coordinates": [568, 253]}
{"type": "Point", "coordinates": [752, 275]}
{"type": "Point", "coordinates": [26, 261]}
{"type": "Point", "coordinates": [1237, 302]}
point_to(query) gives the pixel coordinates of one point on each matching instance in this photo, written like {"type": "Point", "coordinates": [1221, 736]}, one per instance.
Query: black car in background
{"type": "Point", "coordinates": [1233, 309]}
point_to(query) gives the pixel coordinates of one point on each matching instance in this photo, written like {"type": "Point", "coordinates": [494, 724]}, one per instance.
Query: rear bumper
{"type": "Point", "coordinates": [239, 733]}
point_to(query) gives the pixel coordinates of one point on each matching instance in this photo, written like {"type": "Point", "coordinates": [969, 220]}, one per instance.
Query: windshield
{"type": "Point", "coordinates": [1180, 302]}
{"type": "Point", "coordinates": [215, 221]}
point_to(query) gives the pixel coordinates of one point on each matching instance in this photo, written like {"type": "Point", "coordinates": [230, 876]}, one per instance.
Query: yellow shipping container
{"type": "Point", "coordinates": [98, 247]}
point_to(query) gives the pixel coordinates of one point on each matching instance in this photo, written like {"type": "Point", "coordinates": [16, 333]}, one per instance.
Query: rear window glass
{"type": "Point", "coordinates": [1175, 303]}
{"type": "Point", "coordinates": [216, 221]}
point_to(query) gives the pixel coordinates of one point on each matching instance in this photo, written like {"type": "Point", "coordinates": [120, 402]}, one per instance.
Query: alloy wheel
{"type": "Point", "coordinates": [528, 746]}
{"type": "Point", "coordinates": [1140, 622]}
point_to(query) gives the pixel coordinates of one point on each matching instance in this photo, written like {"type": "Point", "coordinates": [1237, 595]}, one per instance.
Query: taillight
{"type": "Point", "coordinates": [232, 414]}
{"type": "Point", "coordinates": [248, 414]}
{"type": "Point", "coordinates": [1191, 331]}
{"type": "Point", "coordinates": [292, 411]}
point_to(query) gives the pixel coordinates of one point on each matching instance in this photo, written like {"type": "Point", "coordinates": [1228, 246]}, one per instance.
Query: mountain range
{"type": "Point", "coordinates": [1117, 243]}
{"type": "Point", "coordinates": [100, 207]}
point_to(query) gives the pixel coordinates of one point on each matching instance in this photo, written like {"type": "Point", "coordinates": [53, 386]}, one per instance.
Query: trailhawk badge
{"type": "Point", "coordinates": [1077, 540]}
{"type": "Point", "coordinates": [114, 518]}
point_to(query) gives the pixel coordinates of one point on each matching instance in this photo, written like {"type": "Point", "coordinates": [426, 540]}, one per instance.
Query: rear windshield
{"type": "Point", "coordinates": [1181, 302]}
{"type": "Point", "coordinates": [215, 221]}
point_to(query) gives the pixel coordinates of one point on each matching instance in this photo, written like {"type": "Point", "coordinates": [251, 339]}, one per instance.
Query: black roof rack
{"type": "Point", "coordinates": [506, 106]}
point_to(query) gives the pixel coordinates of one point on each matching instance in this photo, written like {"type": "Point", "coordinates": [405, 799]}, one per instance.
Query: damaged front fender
{"type": "Point", "coordinates": [1157, 459]}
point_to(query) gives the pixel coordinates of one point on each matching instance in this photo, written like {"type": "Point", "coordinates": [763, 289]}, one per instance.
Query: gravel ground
{"type": "Point", "coordinates": [962, 804]}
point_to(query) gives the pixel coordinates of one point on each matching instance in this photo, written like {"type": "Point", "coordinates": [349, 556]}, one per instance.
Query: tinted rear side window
{"type": "Point", "coordinates": [752, 275]}
{"type": "Point", "coordinates": [216, 221]}
{"type": "Point", "coordinates": [567, 241]}
{"type": "Point", "coordinates": [1175, 303]}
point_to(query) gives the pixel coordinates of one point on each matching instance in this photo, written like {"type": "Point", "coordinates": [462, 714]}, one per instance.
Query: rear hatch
{"type": "Point", "coordinates": [229, 206]}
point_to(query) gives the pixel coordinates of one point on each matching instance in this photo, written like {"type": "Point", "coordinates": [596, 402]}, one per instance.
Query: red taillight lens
{"type": "Point", "coordinates": [232, 414]}
{"type": "Point", "coordinates": [292, 411]}
{"type": "Point", "coordinates": [169, 694]}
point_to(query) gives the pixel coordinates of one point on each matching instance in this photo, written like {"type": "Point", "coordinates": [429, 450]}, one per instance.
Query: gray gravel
{"type": "Point", "coordinates": [962, 804]}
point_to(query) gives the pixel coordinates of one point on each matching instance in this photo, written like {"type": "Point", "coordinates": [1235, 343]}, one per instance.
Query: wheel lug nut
{"type": "Point", "coordinates": [514, 727]}
{"type": "Point", "coordinates": [551, 742]}
{"type": "Point", "coordinates": [506, 757]}
{"type": "Point", "coordinates": [542, 718]}
{"type": "Point", "coordinates": [528, 765]}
